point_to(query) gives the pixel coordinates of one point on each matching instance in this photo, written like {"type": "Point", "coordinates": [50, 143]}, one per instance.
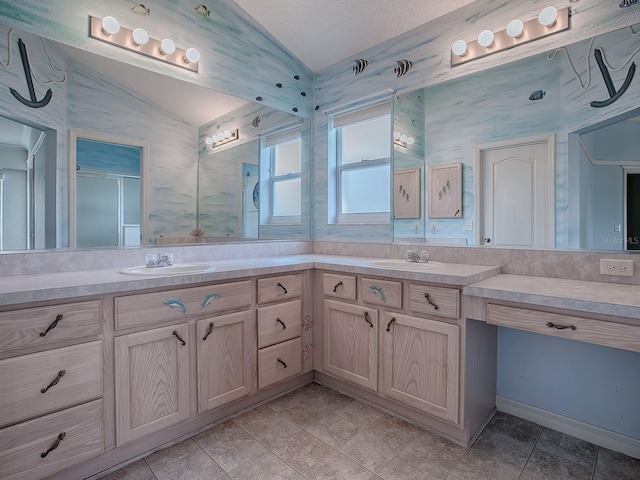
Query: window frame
{"type": "Point", "coordinates": [293, 135]}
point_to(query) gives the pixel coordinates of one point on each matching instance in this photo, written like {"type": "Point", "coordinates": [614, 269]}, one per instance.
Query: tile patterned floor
{"type": "Point", "coordinates": [316, 433]}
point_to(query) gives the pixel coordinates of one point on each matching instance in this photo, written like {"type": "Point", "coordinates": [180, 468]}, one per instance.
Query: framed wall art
{"type": "Point", "coordinates": [406, 193]}
{"type": "Point", "coordinates": [445, 190]}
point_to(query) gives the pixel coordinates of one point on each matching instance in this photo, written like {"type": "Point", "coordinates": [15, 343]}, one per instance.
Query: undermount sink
{"type": "Point", "coordinates": [175, 269]}
{"type": "Point", "coordinates": [400, 264]}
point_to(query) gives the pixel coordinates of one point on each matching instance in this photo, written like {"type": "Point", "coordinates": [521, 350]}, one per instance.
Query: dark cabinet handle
{"type": "Point", "coordinates": [430, 302]}
{"type": "Point", "coordinates": [53, 325]}
{"type": "Point", "coordinates": [209, 330]}
{"type": "Point", "coordinates": [335, 289]}
{"type": "Point", "coordinates": [281, 323]}
{"type": "Point", "coordinates": [282, 287]}
{"type": "Point", "coordinates": [179, 337]}
{"type": "Point", "coordinates": [393, 319]}
{"type": "Point", "coordinates": [366, 319]}
{"type": "Point", "coordinates": [55, 381]}
{"type": "Point", "coordinates": [560, 327]}
{"type": "Point", "coordinates": [282, 362]}
{"type": "Point", "coordinates": [55, 445]}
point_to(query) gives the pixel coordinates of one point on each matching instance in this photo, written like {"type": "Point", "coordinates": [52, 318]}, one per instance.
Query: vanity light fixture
{"type": "Point", "coordinates": [138, 40]}
{"type": "Point", "coordinates": [402, 140]}
{"type": "Point", "coordinates": [220, 138]}
{"type": "Point", "coordinates": [549, 21]}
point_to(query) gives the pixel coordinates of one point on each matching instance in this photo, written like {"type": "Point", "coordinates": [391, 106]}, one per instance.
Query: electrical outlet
{"type": "Point", "coordinates": [469, 225]}
{"type": "Point", "coordinates": [622, 268]}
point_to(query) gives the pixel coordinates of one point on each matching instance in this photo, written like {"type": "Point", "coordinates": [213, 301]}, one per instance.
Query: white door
{"type": "Point", "coordinates": [517, 193]}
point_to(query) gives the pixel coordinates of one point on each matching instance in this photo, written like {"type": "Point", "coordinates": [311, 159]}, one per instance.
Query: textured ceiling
{"type": "Point", "coordinates": [320, 33]}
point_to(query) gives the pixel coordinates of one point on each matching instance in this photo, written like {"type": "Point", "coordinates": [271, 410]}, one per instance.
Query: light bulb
{"type": "Point", "coordinates": [459, 48]}
{"type": "Point", "coordinates": [396, 135]}
{"type": "Point", "coordinates": [220, 136]}
{"type": "Point", "coordinates": [548, 17]}
{"type": "Point", "coordinates": [167, 47]}
{"type": "Point", "coordinates": [192, 55]}
{"type": "Point", "coordinates": [515, 28]}
{"type": "Point", "coordinates": [227, 134]}
{"type": "Point", "coordinates": [403, 138]}
{"type": "Point", "coordinates": [140, 36]}
{"type": "Point", "coordinates": [409, 140]}
{"type": "Point", "coordinates": [208, 140]}
{"type": "Point", "coordinates": [110, 26]}
{"type": "Point", "coordinates": [485, 39]}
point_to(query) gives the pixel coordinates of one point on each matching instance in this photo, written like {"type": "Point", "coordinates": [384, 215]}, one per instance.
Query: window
{"type": "Point", "coordinates": [285, 182]}
{"type": "Point", "coordinates": [363, 145]}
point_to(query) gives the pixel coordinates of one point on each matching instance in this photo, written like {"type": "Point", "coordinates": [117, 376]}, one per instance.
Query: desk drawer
{"type": "Point", "coordinates": [438, 301]}
{"type": "Point", "coordinates": [611, 334]}
{"type": "Point", "coordinates": [279, 288]}
{"type": "Point", "coordinates": [280, 322]}
{"type": "Point", "coordinates": [73, 375]}
{"type": "Point", "coordinates": [339, 285]}
{"type": "Point", "coordinates": [381, 292]}
{"type": "Point", "coordinates": [279, 362]}
{"type": "Point", "coordinates": [22, 445]}
{"type": "Point", "coordinates": [155, 307]}
{"type": "Point", "coordinates": [45, 325]}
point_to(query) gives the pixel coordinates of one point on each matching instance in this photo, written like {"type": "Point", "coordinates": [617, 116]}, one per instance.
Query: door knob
{"type": "Point", "coordinates": [487, 240]}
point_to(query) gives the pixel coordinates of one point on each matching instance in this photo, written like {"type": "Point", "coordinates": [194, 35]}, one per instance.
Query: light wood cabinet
{"type": "Point", "coordinates": [279, 362]}
{"type": "Point", "coordinates": [381, 292]}
{"type": "Point", "coordinates": [339, 285]}
{"type": "Point", "coordinates": [350, 343]}
{"type": "Point", "coordinates": [282, 287]}
{"type": "Point", "coordinates": [223, 351]}
{"type": "Point", "coordinates": [280, 322]}
{"type": "Point", "coordinates": [419, 363]}
{"type": "Point", "coordinates": [151, 381]}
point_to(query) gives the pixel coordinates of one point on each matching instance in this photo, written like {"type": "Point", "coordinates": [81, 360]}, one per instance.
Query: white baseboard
{"type": "Point", "coordinates": [584, 431]}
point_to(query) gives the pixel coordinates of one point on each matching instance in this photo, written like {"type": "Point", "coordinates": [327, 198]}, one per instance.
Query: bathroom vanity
{"type": "Point", "coordinates": [98, 367]}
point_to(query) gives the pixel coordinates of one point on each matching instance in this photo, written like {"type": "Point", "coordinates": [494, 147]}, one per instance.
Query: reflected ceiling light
{"type": "Point", "coordinates": [220, 138]}
{"type": "Point", "coordinates": [402, 140]}
{"type": "Point", "coordinates": [548, 17]}
{"type": "Point", "coordinates": [208, 140]}
{"type": "Point", "coordinates": [140, 36]}
{"type": "Point", "coordinates": [515, 28]}
{"type": "Point", "coordinates": [549, 21]}
{"type": "Point", "coordinates": [485, 39]}
{"type": "Point", "coordinates": [459, 48]}
{"type": "Point", "coordinates": [167, 47]}
{"type": "Point", "coordinates": [138, 40]}
{"type": "Point", "coordinates": [110, 26]}
{"type": "Point", "coordinates": [192, 55]}
{"type": "Point", "coordinates": [227, 133]}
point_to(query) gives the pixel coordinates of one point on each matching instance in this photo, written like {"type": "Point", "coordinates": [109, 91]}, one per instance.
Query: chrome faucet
{"type": "Point", "coordinates": [415, 257]}
{"type": "Point", "coordinates": [164, 260]}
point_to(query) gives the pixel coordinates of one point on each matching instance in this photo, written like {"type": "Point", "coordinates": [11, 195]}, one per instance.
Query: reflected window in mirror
{"type": "Point", "coordinates": [362, 165]}
{"type": "Point", "coordinates": [285, 177]}
{"type": "Point", "coordinates": [107, 200]}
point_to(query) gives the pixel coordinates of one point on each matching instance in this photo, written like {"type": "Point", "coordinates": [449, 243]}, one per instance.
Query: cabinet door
{"type": "Point", "coordinates": [224, 371]}
{"type": "Point", "coordinates": [152, 381]}
{"type": "Point", "coordinates": [419, 364]}
{"type": "Point", "coordinates": [351, 343]}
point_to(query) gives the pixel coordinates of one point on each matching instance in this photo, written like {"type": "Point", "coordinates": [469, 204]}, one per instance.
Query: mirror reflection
{"type": "Point", "coordinates": [549, 197]}
{"type": "Point", "coordinates": [95, 97]}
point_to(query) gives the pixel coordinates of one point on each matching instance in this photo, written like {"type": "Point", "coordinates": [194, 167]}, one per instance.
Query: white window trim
{"type": "Point", "coordinates": [359, 218]}
{"type": "Point", "coordinates": [270, 143]}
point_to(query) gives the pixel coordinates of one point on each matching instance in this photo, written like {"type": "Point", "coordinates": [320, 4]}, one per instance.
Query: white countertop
{"type": "Point", "coordinates": [19, 289]}
{"type": "Point", "coordinates": [581, 296]}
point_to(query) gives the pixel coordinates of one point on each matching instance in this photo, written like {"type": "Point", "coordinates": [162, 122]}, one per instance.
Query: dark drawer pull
{"type": "Point", "coordinates": [53, 325]}
{"type": "Point", "coordinates": [560, 327]}
{"type": "Point", "coordinates": [430, 302]}
{"type": "Point", "coordinates": [281, 323]}
{"type": "Point", "coordinates": [55, 445]}
{"type": "Point", "coordinates": [282, 362]}
{"type": "Point", "coordinates": [179, 337]}
{"type": "Point", "coordinates": [282, 287]}
{"type": "Point", "coordinates": [209, 330]}
{"type": "Point", "coordinates": [393, 319]}
{"type": "Point", "coordinates": [335, 289]}
{"type": "Point", "coordinates": [366, 319]}
{"type": "Point", "coordinates": [55, 381]}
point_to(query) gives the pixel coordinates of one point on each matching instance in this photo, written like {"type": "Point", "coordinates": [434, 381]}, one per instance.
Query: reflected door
{"type": "Point", "coordinates": [633, 211]}
{"type": "Point", "coordinates": [516, 195]}
{"type": "Point", "coordinates": [250, 201]}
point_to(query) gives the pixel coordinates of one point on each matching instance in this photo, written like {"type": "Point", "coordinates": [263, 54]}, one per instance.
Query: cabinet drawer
{"type": "Point", "coordinates": [280, 322]}
{"type": "Point", "coordinates": [22, 446]}
{"type": "Point", "coordinates": [155, 307]}
{"type": "Point", "coordinates": [279, 288]}
{"type": "Point", "coordinates": [582, 329]}
{"type": "Point", "coordinates": [279, 362]}
{"type": "Point", "coordinates": [381, 292]}
{"type": "Point", "coordinates": [338, 285]}
{"type": "Point", "coordinates": [73, 375]}
{"type": "Point", "coordinates": [45, 325]}
{"type": "Point", "coordinates": [438, 301]}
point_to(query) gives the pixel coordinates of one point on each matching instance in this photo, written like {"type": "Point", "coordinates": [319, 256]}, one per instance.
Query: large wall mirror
{"type": "Point", "coordinates": [101, 115]}
{"type": "Point", "coordinates": [541, 166]}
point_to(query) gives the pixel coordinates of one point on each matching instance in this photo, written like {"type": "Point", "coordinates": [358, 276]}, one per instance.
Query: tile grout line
{"type": "Point", "coordinates": [531, 453]}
